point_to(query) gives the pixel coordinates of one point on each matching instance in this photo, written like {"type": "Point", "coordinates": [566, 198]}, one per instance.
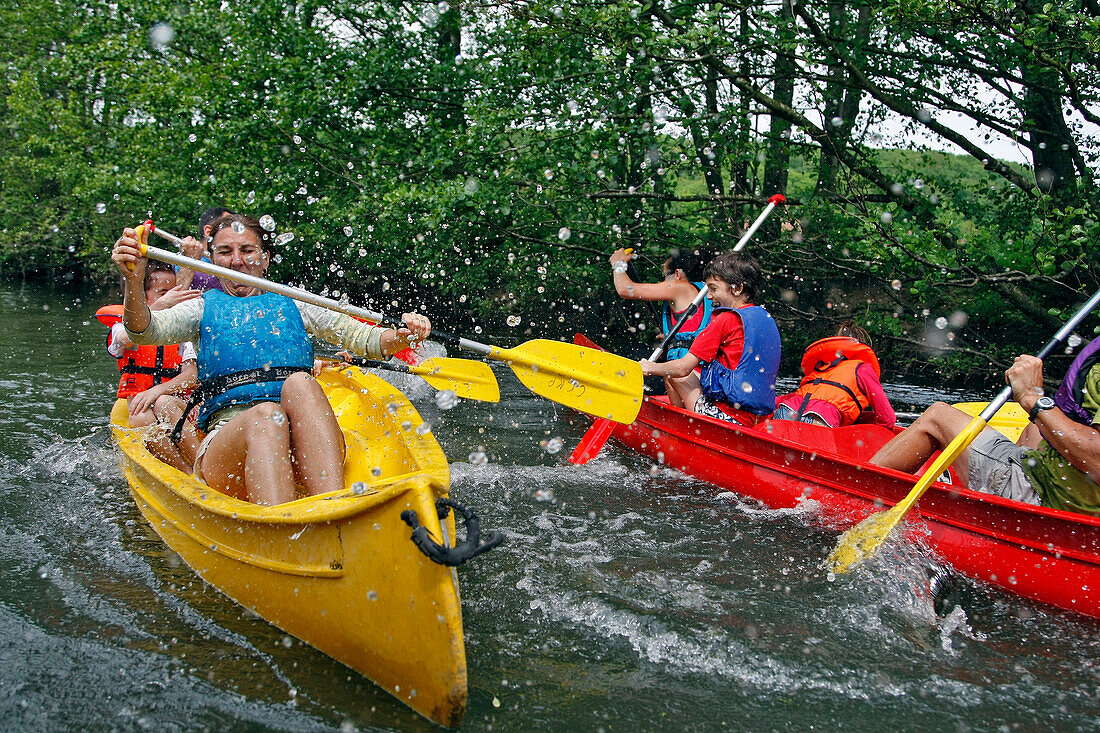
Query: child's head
{"type": "Point", "coordinates": [208, 217]}
{"type": "Point", "coordinates": [159, 279]}
{"type": "Point", "coordinates": [851, 330]}
{"type": "Point", "coordinates": [740, 275]}
{"type": "Point", "coordinates": [691, 261]}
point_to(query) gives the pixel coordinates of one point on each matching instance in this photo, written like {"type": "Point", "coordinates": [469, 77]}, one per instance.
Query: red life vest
{"type": "Point", "coordinates": [830, 367]}
{"type": "Point", "coordinates": [143, 367]}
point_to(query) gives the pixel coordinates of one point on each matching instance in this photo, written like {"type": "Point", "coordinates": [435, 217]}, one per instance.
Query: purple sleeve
{"type": "Point", "coordinates": [872, 387]}
{"type": "Point", "coordinates": [205, 282]}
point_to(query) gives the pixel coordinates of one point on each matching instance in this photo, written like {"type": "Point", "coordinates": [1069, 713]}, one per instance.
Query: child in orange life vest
{"type": "Point", "coordinates": [739, 350]}
{"type": "Point", "coordinates": [154, 377]}
{"type": "Point", "coordinates": [841, 384]}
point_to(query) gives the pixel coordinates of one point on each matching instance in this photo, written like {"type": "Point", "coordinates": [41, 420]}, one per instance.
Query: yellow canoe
{"type": "Point", "coordinates": [1010, 420]}
{"type": "Point", "coordinates": [337, 571]}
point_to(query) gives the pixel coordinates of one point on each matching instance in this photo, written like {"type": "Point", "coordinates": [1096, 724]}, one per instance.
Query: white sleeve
{"type": "Point", "coordinates": [187, 352]}
{"type": "Point", "coordinates": [114, 342]}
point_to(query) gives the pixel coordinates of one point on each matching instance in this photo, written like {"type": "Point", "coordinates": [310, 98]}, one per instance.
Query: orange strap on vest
{"type": "Point", "coordinates": [143, 367]}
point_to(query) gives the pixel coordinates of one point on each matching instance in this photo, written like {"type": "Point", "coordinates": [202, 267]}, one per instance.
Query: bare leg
{"type": "Point", "coordinates": [156, 439]}
{"type": "Point", "coordinates": [930, 432]}
{"type": "Point", "coordinates": [249, 457]}
{"type": "Point", "coordinates": [683, 391]}
{"type": "Point", "coordinates": [317, 444]}
{"type": "Point", "coordinates": [1031, 437]}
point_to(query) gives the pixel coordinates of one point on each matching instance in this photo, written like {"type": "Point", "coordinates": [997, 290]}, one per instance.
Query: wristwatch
{"type": "Point", "coordinates": [1043, 403]}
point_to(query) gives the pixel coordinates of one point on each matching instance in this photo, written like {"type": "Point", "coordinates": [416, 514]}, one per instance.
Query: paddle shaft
{"type": "Point", "coordinates": [174, 258]}
{"type": "Point", "coordinates": [698, 299]}
{"type": "Point", "coordinates": [1057, 340]}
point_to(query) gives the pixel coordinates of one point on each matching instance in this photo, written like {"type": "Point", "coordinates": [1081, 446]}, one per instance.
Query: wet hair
{"type": "Point", "coordinates": [735, 268]}
{"type": "Point", "coordinates": [241, 222]}
{"type": "Point", "coordinates": [211, 215]}
{"type": "Point", "coordinates": [153, 266]}
{"type": "Point", "coordinates": [692, 261]}
{"type": "Point", "coordinates": [851, 330]}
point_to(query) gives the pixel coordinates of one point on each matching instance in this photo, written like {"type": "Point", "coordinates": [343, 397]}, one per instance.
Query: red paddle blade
{"type": "Point", "coordinates": [592, 442]}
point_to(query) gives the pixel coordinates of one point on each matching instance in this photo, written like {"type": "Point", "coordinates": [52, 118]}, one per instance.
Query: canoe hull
{"type": "Point", "coordinates": [1039, 553]}
{"type": "Point", "coordinates": [338, 571]}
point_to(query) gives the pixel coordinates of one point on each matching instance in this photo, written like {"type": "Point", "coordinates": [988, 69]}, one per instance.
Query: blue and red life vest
{"type": "Point", "coordinates": [247, 349]}
{"type": "Point", "coordinates": [680, 344]}
{"type": "Point", "coordinates": [750, 386]}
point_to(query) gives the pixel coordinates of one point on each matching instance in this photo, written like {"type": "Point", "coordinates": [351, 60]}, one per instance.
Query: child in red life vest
{"type": "Point", "coordinates": [154, 377]}
{"type": "Point", "coordinates": [739, 350]}
{"type": "Point", "coordinates": [840, 385]}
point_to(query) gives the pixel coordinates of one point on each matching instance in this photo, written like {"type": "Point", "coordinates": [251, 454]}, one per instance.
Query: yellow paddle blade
{"type": "Point", "coordinates": [862, 540]}
{"type": "Point", "coordinates": [589, 380]}
{"type": "Point", "coordinates": [1010, 420]}
{"type": "Point", "coordinates": [471, 380]}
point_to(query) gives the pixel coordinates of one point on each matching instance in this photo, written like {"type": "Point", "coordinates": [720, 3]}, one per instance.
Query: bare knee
{"type": "Point", "coordinates": [300, 384]}
{"type": "Point", "coordinates": [268, 419]}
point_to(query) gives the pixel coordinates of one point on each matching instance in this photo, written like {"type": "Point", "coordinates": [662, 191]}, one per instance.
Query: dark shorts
{"type": "Point", "coordinates": [997, 467]}
{"type": "Point", "coordinates": [704, 406]}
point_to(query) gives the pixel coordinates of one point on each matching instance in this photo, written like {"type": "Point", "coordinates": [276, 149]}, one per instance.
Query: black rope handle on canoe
{"type": "Point", "coordinates": [469, 548]}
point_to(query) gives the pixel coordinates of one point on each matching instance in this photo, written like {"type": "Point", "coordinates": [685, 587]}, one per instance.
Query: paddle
{"type": "Point", "coordinates": [598, 434]}
{"type": "Point", "coordinates": [862, 540]}
{"type": "Point", "coordinates": [588, 380]}
{"type": "Point", "coordinates": [471, 380]}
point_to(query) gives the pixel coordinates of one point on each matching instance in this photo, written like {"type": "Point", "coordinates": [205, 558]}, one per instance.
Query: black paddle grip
{"type": "Point", "coordinates": [468, 549]}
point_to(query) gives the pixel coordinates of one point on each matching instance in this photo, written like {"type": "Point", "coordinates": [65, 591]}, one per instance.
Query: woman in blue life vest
{"type": "Point", "coordinates": [265, 420]}
{"type": "Point", "coordinates": [739, 350]}
{"type": "Point", "coordinates": [683, 279]}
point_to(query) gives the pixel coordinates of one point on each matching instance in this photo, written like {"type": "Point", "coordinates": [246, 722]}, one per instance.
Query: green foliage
{"type": "Point", "coordinates": [484, 159]}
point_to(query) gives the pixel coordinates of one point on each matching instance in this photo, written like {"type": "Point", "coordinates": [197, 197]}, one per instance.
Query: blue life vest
{"type": "Point", "coordinates": [751, 385]}
{"type": "Point", "coordinates": [679, 345]}
{"type": "Point", "coordinates": [247, 348]}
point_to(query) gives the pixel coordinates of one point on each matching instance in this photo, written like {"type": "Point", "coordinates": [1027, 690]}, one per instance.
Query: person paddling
{"type": "Point", "coordinates": [683, 279]}
{"type": "Point", "coordinates": [739, 350]}
{"type": "Point", "coordinates": [265, 421]}
{"type": "Point", "coordinates": [1055, 462]}
{"type": "Point", "coordinates": [840, 384]}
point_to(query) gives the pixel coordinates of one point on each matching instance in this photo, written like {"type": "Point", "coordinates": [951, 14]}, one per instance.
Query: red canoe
{"type": "Point", "coordinates": [1045, 554]}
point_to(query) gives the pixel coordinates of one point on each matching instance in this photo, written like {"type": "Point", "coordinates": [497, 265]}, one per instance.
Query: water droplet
{"type": "Point", "coordinates": [424, 428]}
{"type": "Point", "coordinates": [372, 595]}
{"type": "Point", "coordinates": [513, 321]}
{"type": "Point", "coordinates": [886, 217]}
{"type": "Point", "coordinates": [358, 488]}
{"type": "Point", "coordinates": [544, 495]}
{"type": "Point", "coordinates": [552, 446]}
{"type": "Point", "coordinates": [941, 323]}
{"type": "Point", "coordinates": [548, 174]}
{"type": "Point", "coordinates": [250, 198]}
{"type": "Point", "coordinates": [376, 471]}
{"type": "Point", "coordinates": [192, 137]}
{"type": "Point", "coordinates": [278, 417]}
{"type": "Point", "coordinates": [895, 284]}
{"type": "Point", "coordinates": [564, 234]}
{"type": "Point", "coordinates": [161, 35]}
{"type": "Point", "coordinates": [1074, 341]}
{"type": "Point", "coordinates": [446, 399]}
{"type": "Point", "coordinates": [348, 231]}
{"type": "Point", "coordinates": [238, 227]}
{"type": "Point", "coordinates": [101, 208]}
{"type": "Point", "coordinates": [478, 457]}
{"type": "Point", "coordinates": [746, 387]}
{"type": "Point", "coordinates": [284, 238]}
{"type": "Point", "coordinates": [267, 222]}
{"type": "Point", "coordinates": [496, 701]}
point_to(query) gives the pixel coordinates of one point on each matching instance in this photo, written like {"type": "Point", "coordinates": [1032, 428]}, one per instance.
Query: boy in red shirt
{"type": "Point", "coordinates": [739, 350]}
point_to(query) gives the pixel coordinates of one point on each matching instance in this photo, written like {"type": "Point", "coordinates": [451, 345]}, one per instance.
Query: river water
{"type": "Point", "coordinates": [627, 596]}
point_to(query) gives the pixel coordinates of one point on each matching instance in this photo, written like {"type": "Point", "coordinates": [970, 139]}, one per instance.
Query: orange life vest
{"type": "Point", "coordinates": [143, 367]}
{"type": "Point", "coordinates": [830, 367]}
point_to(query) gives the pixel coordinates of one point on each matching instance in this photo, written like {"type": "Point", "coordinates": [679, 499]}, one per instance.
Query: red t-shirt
{"type": "Point", "coordinates": [724, 340]}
